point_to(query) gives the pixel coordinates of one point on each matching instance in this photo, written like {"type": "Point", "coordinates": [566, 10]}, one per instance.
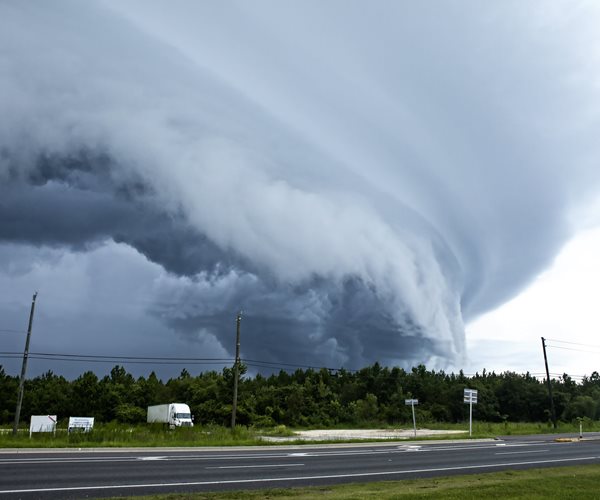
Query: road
{"type": "Point", "coordinates": [66, 474]}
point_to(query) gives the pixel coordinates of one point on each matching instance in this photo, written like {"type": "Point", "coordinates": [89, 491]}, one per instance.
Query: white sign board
{"type": "Point", "coordinates": [410, 402]}
{"type": "Point", "coordinates": [84, 424]}
{"type": "Point", "coordinates": [470, 396]}
{"type": "Point", "coordinates": [42, 423]}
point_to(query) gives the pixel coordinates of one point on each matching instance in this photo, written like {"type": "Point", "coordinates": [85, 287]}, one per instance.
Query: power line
{"type": "Point", "coordinates": [573, 349]}
{"type": "Point", "coordinates": [573, 343]}
{"type": "Point", "coordinates": [275, 364]}
{"type": "Point", "coordinates": [88, 358]}
{"type": "Point", "coordinates": [128, 362]}
{"type": "Point", "coordinates": [93, 356]}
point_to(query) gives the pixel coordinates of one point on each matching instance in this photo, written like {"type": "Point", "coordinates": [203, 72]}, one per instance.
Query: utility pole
{"type": "Point", "coordinates": [24, 368]}
{"type": "Point", "coordinates": [552, 412]}
{"type": "Point", "coordinates": [236, 374]}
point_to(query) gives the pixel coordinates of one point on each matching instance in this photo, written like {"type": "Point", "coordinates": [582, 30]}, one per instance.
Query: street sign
{"type": "Point", "coordinates": [412, 403]}
{"type": "Point", "coordinates": [470, 397]}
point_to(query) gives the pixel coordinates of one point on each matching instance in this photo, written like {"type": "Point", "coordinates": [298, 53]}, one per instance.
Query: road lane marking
{"type": "Point", "coordinates": [410, 448]}
{"type": "Point", "coordinates": [298, 478]}
{"type": "Point", "coordinates": [259, 456]}
{"type": "Point", "coordinates": [254, 466]}
{"type": "Point", "coordinates": [29, 461]}
{"type": "Point", "coordinates": [519, 452]}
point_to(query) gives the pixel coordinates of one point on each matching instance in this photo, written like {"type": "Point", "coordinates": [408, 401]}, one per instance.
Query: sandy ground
{"type": "Point", "coordinates": [346, 434]}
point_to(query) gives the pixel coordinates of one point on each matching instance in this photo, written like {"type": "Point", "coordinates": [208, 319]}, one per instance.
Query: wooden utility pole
{"type": "Point", "coordinates": [24, 368]}
{"type": "Point", "coordinates": [236, 370]}
{"type": "Point", "coordinates": [552, 411]}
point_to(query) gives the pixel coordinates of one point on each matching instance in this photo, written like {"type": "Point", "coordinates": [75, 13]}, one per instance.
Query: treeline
{"type": "Point", "coordinates": [374, 395]}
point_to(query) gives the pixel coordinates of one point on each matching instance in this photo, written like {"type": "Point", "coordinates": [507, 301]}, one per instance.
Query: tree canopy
{"type": "Point", "coordinates": [316, 398]}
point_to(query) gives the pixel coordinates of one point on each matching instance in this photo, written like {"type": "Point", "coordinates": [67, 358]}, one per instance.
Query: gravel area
{"type": "Point", "coordinates": [347, 434]}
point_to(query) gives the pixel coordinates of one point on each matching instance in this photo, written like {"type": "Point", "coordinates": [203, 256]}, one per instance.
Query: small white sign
{"type": "Point", "coordinates": [410, 402]}
{"type": "Point", "coordinates": [84, 424]}
{"type": "Point", "coordinates": [470, 396]}
{"type": "Point", "coordinates": [42, 423]}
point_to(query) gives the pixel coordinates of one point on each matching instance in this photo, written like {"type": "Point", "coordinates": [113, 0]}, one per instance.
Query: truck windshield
{"type": "Point", "coordinates": [183, 415]}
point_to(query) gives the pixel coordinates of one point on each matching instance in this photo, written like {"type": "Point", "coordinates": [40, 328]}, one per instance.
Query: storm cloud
{"type": "Point", "coordinates": [360, 180]}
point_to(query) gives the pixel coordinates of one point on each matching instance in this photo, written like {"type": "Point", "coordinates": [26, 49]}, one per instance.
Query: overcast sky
{"type": "Point", "coordinates": [402, 182]}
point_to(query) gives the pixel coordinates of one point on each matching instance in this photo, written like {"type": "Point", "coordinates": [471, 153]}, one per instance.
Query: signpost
{"type": "Point", "coordinates": [412, 403]}
{"type": "Point", "coordinates": [470, 396]}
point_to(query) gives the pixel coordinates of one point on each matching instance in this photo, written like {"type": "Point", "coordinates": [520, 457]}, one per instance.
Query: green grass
{"type": "Point", "coordinates": [578, 482]}
{"type": "Point", "coordinates": [123, 435]}
{"type": "Point", "coordinates": [493, 429]}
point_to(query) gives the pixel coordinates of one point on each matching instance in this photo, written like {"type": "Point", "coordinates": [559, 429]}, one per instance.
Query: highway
{"type": "Point", "coordinates": [99, 473]}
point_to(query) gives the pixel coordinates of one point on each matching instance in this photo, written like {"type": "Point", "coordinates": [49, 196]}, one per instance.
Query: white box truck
{"type": "Point", "coordinates": [171, 414]}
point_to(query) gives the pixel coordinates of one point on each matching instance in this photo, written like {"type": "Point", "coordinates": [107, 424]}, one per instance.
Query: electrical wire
{"type": "Point", "coordinates": [572, 349]}
{"type": "Point", "coordinates": [111, 359]}
{"type": "Point", "coordinates": [128, 362]}
{"type": "Point", "coordinates": [276, 364]}
{"type": "Point", "coordinates": [8, 330]}
{"type": "Point", "coordinates": [573, 343]}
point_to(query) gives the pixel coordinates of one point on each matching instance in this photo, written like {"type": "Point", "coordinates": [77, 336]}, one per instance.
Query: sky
{"type": "Point", "coordinates": [401, 182]}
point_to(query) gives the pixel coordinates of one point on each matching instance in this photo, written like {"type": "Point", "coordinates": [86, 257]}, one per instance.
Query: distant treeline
{"type": "Point", "coordinates": [371, 396]}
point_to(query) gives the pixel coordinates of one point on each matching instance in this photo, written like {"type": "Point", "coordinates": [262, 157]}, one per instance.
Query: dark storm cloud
{"type": "Point", "coordinates": [357, 192]}
{"type": "Point", "coordinates": [74, 201]}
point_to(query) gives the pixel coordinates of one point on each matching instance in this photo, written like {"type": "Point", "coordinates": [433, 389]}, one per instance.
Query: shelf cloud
{"type": "Point", "coordinates": [360, 180]}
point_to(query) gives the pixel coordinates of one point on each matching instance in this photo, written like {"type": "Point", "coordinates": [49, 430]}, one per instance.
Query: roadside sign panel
{"type": "Point", "coordinates": [410, 402]}
{"type": "Point", "coordinates": [84, 424]}
{"type": "Point", "coordinates": [42, 423]}
{"type": "Point", "coordinates": [470, 396]}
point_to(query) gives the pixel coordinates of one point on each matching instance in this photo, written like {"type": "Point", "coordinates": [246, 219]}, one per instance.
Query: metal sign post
{"type": "Point", "coordinates": [412, 403]}
{"type": "Point", "coordinates": [470, 396]}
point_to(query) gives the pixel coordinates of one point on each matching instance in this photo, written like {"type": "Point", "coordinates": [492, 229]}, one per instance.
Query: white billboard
{"type": "Point", "coordinates": [84, 424]}
{"type": "Point", "coordinates": [42, 423]}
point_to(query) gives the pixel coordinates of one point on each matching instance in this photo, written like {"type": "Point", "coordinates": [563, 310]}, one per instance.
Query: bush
{"type": "Point", "coordinates": [130, 414]}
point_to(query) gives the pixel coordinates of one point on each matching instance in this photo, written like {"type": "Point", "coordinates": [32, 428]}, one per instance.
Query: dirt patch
{"type": "Point", "coordinates": [351, 434]}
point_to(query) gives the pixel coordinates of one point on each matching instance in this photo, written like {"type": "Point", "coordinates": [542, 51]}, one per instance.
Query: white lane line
{"type": "Point", "coordinates": [519, 452]}
{"type": "Point", "coordinates": [255, 466]}
{"type": "Point", "coordinates": [21, 461]}
{"type": "Point", "coordinates": [53, 460]}
{"type": "Point", "coordinates": [485, 447]}
{"type": "Point", "coordinates": [314, 453]}
{"type": "Point", "coordinates": [298, 478]}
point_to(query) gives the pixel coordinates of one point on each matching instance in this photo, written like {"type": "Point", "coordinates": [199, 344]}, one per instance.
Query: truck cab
{"type": "Point", "coordinates": [181, 415]}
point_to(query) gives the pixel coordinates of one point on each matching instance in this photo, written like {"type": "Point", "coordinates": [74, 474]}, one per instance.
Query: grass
{"type": "Point", "coordinates": [123, 435]}
{"type": "Point", "coordinates": [493, 429]}
{"type": "Point", "coordinates": [577, 482]}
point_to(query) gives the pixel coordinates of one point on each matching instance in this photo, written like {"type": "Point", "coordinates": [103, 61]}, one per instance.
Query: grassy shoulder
{"type": "Point", "coordinates": [580, 482]}
{"type": "Point", "coordinates": [123, 435]}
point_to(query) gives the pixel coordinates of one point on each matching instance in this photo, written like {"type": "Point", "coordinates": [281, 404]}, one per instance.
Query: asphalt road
{"type": "Point", "coordinates": [99, 473]}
